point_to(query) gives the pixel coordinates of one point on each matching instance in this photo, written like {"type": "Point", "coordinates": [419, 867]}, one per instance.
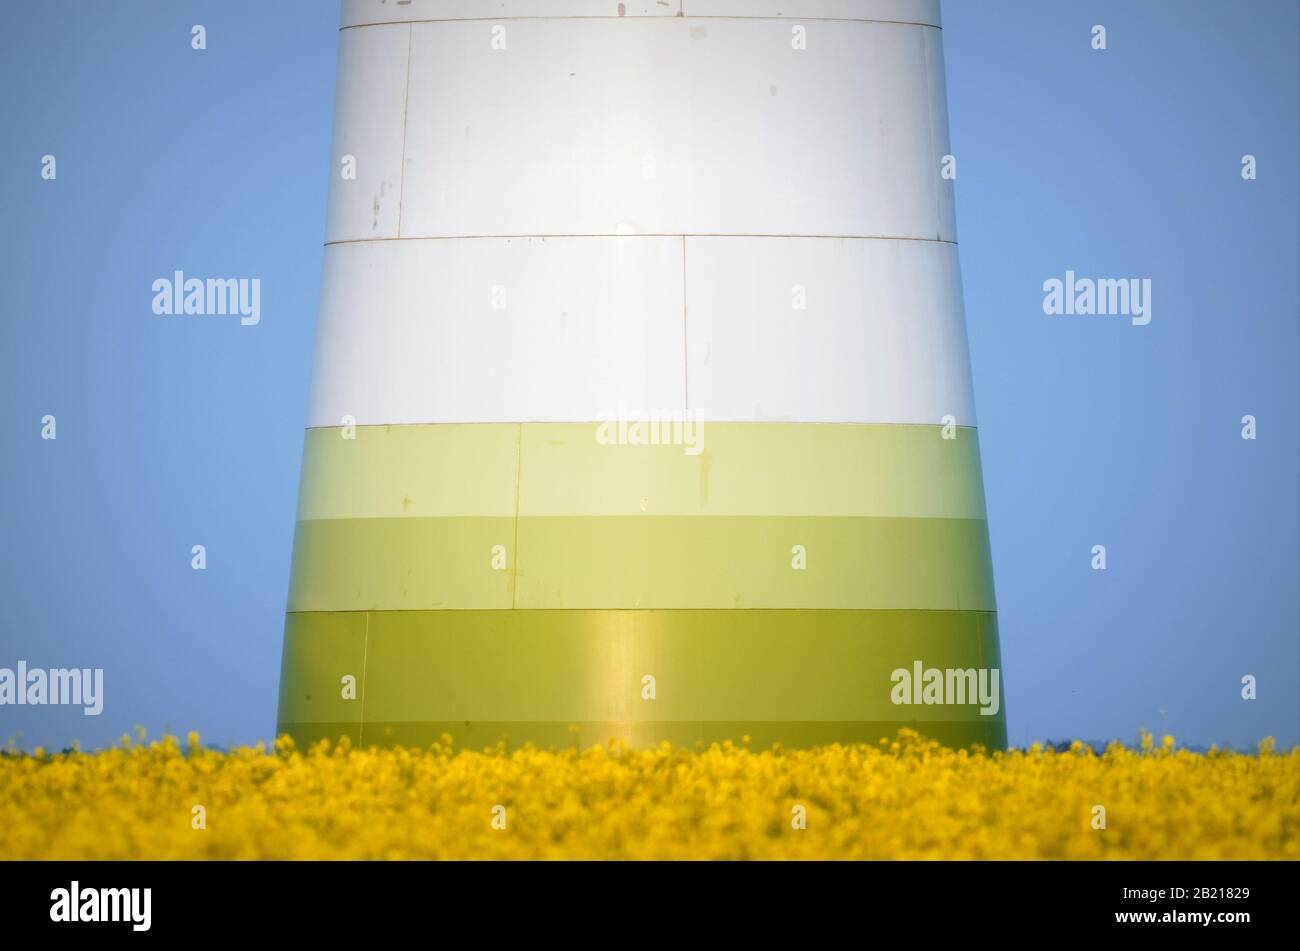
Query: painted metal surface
{"type": "Point", "coordinates": [566, 218]}
{"type": "Point", "coordinates": [411, 331]}
{"type": "Point", "coordinates": [662, 126]}
{"type": "Point", "coordinates": [363, 12]}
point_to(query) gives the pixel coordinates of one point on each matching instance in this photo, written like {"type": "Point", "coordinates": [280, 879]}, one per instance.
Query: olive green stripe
{"type": "Point", "coordinates": [588, 666]}
{"type": "Point", "coordinates": [402, 564]}
{"type": "Point", "coordinates": [808, 469]}
{"type": "Point", "coordinates": [641, 562]}
{"type": "Point", "coordinates": [755, 734]}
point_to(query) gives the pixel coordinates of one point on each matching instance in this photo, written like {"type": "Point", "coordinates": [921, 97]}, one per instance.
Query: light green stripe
{"type": "Point", "coordinates": [809, 469]}
{"type": "Point", "coordinates": [587, 666]}
{"type": "Point", "coordinates": [392, 471]}
{"type": "Point", "coordinates": [764, 469]}
{"type": "Point", "coordinates": [641, 562]}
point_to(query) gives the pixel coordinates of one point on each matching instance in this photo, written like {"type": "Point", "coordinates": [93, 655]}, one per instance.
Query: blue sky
{"type": "Point", "coordinates": [1117, 163]}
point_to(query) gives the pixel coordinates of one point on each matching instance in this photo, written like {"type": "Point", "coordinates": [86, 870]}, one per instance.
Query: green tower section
{"type": "Point", "coordinates": [575, 583]}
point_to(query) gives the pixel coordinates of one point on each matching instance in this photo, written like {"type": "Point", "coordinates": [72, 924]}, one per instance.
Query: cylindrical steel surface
{"type": "Point", "coordinates": [641, 405]}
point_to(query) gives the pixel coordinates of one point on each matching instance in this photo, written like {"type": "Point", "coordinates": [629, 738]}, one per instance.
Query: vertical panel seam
{"type": "Point", "coordinates": [938, 185]}
{"type": "Point", "coordinates": [686, 364]}
{"type": "Point", "coordinates": [365, 661]}
{"type": "Point", "coordinates": [519, 475]}
{"type": "Point", "coordinates": [406, 115]}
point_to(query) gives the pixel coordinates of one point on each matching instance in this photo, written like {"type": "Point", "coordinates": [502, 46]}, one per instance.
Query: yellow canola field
{"type": "Point", "coordinates": [905, 799]}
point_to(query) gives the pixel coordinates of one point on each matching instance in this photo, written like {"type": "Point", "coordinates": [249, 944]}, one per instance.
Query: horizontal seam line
{"type": "Point", "coordinates": [655, 16]}
{"type": "Point", "coordinates": [642, 516]}
{"type": "Point", "coordinates": [656, 234]}
{"type": "Point", "coordinates": [597, 422]}
{"type": "Point", "coordinates": [987, 611]}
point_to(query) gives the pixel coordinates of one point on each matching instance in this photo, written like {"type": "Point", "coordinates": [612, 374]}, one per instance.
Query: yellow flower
{"type": "Point", "coordinates": [905, 798]}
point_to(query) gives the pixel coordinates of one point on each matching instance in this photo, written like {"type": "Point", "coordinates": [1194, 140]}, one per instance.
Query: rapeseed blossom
{"type": "Point", "coordinates": [903, 799]}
